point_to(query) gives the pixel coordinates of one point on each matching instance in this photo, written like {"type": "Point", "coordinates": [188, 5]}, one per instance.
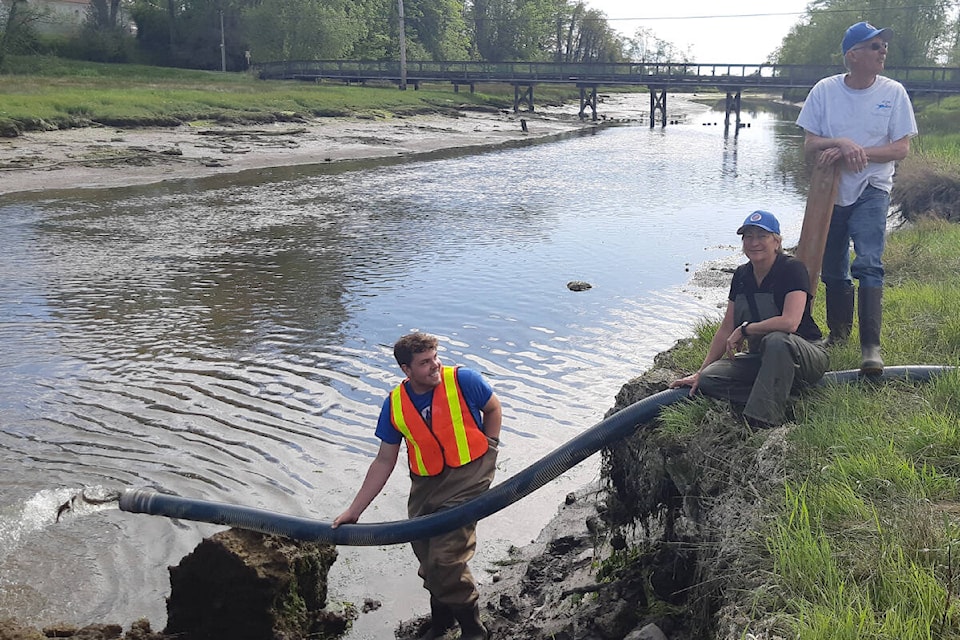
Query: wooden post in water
{"type": "Point", "coordinates": [733, 105]}
{"type": "Point", "coordinates": [824, 182]}
{"type": "Point", "coordinates": [588, 100]}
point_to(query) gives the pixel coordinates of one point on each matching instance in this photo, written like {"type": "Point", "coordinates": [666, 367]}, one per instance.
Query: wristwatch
{"type": "Point", "coordinates": [743, 329]}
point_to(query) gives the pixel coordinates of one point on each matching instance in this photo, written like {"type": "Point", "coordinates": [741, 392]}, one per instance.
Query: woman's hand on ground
{"type": "Point", "coordinates": [692, 381]}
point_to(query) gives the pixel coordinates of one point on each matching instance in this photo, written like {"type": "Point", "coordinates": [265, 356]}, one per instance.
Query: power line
{"type": "Point", "coordinates": [771, 14]}
{"type": "Point", "coordinates": [730, 15]}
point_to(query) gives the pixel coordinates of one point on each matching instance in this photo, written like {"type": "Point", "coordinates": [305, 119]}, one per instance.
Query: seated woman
{"type": "Point", "coordinates": [769, 308]}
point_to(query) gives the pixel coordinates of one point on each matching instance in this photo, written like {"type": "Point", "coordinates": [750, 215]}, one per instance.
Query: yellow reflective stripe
{"type": "Point", "coordinates": [396, 409]}
{"type": "Point", "coordinates": [453, 401]}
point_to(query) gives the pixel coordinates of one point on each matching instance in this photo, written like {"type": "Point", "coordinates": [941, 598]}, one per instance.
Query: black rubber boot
{"type": "Point", "coordinates": [442, 619]}
{"type": "Point", "coordinates": [871, 313]}
{"type": "Point", "coordinates": [839, 313]}
{"type": "Point", "coordinates": [470, 626]}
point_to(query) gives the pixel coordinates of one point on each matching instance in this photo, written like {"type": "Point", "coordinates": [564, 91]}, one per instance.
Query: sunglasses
{"type": "Point", "coordinates": [875, 46]}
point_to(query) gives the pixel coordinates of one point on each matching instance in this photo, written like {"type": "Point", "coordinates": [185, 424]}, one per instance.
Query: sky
{"type": "Point", "coordinates": [739, 32]}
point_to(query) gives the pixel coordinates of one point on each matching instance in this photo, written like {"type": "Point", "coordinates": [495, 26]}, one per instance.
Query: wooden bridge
{"type": "Point", "coordinates": [733, 79]}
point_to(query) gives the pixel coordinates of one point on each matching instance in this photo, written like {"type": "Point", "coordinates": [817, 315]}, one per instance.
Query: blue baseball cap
{"type": "Point", "coordinates": [861, 32]}
{"type": "Point", "coordinates": [762, 219]}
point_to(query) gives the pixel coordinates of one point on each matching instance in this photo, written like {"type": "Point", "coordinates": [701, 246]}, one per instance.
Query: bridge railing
{"type": "Point", "coordinates": [692, 74]}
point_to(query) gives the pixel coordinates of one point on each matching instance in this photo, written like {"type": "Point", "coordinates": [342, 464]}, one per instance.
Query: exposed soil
{"type": "Point", "coordinates": [100, 156]}
{"type": "Point", "coordinates": [663, 549]}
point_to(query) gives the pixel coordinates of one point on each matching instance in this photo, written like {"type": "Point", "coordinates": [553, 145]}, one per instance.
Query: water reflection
{"type": "Point", "coordinates": [232, 341]}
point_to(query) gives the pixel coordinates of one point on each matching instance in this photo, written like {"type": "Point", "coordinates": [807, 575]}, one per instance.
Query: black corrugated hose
{"type": "Point", "coordinates": [603, 434]}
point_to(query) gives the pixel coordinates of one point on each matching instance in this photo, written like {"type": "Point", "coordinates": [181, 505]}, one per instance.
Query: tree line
{"type": "Point", "coordinates": [213, 34]}
{"type": "Point", "coordinates": [233, 34]}
{"type": "Point", "coordinates": [926, 32]}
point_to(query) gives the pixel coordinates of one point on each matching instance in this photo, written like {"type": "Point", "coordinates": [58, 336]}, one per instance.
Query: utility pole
{"type": "Point", "coordinates": [403, 50]}
{"type": "Point", "coordinates": [223, 46]}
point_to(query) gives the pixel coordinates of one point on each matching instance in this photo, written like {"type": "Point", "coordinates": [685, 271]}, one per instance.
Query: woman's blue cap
{"type": "Point", "coordinates": [763, 219]}
{"type": "Point", "coordinates": [861, 32]}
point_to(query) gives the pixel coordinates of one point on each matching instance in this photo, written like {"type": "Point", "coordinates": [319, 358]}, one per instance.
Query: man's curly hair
{"type": "Point", "coordinates": [412, 343]}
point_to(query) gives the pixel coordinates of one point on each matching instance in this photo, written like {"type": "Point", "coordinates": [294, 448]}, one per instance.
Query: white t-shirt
{"type": "Point", "coordinates": [870, 117]}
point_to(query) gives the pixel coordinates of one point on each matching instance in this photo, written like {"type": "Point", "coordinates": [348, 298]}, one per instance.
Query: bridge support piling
{"type": "Point", "coordinates": [658, 103]}
{"type": "Point", "coordinates": [524, 96]}
{"type": "Point", "coordinates": [588, 100]}
{"type": "Point", "coordinates": [733, 105]}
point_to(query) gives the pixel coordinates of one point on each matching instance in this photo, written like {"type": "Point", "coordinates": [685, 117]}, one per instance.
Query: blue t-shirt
{"type": "Point", "coordinates": [476, 391]}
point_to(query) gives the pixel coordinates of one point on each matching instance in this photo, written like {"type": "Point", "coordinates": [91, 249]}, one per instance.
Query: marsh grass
{"type": "Point", "coordinates": [862, 542]}
{"type": "Point", "coordinates": [45, 93]}
{"type": "Point", "coordinates": [928, 180]}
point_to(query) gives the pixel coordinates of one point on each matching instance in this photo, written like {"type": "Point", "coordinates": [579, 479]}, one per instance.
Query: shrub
{"type": "Point", "coordinates": [927, 186]}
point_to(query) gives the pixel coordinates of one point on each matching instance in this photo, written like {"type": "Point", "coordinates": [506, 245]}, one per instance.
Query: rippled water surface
{"type": "Point", "coordinates": [231, 340]}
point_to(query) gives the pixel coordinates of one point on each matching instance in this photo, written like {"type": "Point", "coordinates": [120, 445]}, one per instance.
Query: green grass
{"type": "Point", "coordinates": [862, 542]}
{"type": "Point", "coordinates": [43, 92]}
{"type": "Point", "coordinates": [938, 144]}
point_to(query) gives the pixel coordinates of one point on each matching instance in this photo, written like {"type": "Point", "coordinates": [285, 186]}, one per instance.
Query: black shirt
{"type": "Point", "coordinates": [787, 274]}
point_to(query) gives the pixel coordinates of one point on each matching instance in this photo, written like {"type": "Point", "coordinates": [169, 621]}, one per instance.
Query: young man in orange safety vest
{"type": "Point", "coordinates": [450, 419]}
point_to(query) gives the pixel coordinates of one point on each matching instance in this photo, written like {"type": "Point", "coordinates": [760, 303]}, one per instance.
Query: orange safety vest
{"type": "Point", "coordinates": [455, 437]}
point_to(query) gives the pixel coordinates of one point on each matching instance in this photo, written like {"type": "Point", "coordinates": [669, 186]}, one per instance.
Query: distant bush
{"type": "Point", "coordinates": [98, 45]}
{"type": "Point", "coordinates": [928, 185]}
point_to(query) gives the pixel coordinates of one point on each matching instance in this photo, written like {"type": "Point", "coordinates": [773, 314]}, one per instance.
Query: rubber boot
{"type": "Point", "coordinates": [442, 619]}
{"type": "Point", "coordinates": [839, 313]}
{"type": "Point", "coordinates": [871, 312]}
{"type": "Point", "coordinates": [470, 626]}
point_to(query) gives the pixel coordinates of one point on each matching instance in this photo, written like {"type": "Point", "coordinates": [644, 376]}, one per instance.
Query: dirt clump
{"type": "Point", "coordinates": [236, 584]}
{"type": "Point", "coordinates": [242, 584]}
{"type": "Point", "coordinates": [665, 546]}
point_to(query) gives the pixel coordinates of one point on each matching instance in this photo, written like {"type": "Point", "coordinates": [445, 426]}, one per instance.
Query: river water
{"type": "Point", "coordinates": [230, 339]}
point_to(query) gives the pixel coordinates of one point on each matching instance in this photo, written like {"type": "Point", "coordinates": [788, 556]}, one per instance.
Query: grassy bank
{"type": "Point", "coordinates": [50, 93]}
{"type": "Point", "coordinates": [859, 543]}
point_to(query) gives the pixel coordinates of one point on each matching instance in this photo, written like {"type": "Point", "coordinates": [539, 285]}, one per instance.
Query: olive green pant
{"type": "Point", "coordinates": [443, 558]}
{"type": "Point", "coordinates": [762, 382]}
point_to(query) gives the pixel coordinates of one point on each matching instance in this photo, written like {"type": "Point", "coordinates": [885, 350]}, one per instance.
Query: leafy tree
{"type": "Point", "coordinates": [104, 14]}
{"type": "Point", "coordinates": [437, 27]}
{"type": "Point", "coordinates": [952, 52]}
{"type": "Point", "coordinates": [921, 31]}
{"type": "Point", "coordinates": [379, 23]}
{"type": "Point", "coordinates": [595, 41]}
{"type": "Point", "coordinates": [583, 35]}
{"type": "Point", "coordinates": [188, 33]}
{"type": "Point", "coordinates": [105, 36]}
{"type": "Point", "coordinates": [513, 29]}
{"type": "Point", "coordinates": [18, 35]}
{"type": "Point", "coordinates": [558, 30]}
{"type": "Point", "coordinates": [494, 29]}
{"type": "Point", "coordinates": [301, 29]}
{"type": "Point", "coordinates": [566, 18]}
{"type": "Point", "coordinates": [645, 46]}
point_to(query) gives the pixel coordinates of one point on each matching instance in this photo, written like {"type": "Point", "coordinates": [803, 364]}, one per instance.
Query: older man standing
{"type": "Point", "coordinates": [864, 121]}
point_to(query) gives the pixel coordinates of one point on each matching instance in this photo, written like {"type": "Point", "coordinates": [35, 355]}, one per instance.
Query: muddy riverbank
{"type": "Point", "coordinates": [104, 157]}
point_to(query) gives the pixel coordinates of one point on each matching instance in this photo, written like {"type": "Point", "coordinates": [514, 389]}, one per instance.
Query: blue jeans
{"type": "Point", "coordinates": [864, 222]}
